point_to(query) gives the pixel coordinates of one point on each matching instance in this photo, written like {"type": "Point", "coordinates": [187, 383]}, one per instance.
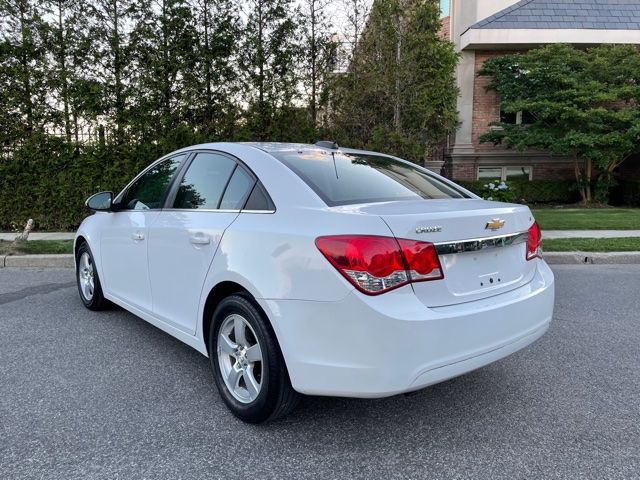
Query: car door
{"type": "Point", "coordinates": [124, 237]}
{"type": "Point", "coordinates": [184, 238]}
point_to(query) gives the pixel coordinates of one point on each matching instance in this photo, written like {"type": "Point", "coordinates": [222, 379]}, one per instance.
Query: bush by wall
{"type": "Point", "coordinates": [534, 191]}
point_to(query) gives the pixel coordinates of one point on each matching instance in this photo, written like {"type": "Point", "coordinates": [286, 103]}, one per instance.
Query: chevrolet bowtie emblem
{"type": "Point", "coordinates": [495, 224]}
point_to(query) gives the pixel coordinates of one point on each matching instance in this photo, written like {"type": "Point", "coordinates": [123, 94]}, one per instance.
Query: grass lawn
{"type": "Point", "coordinates": [36, 246]}
{"type": "Point", "coordinates": [588, 219]}
{"type": "Point", "coordinates": [625, 244]}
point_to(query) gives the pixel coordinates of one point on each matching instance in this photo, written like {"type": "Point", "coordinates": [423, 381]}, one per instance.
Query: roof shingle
{"type": "Point", "coordinates": [566, 14]}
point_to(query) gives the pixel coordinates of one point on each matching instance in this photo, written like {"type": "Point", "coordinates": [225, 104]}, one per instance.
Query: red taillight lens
{"type": "Point", "coordinates": [422, 260]}
{"type": "Point", "coordinates": [379, 264]}
{"type": "Point", "coordinates": [534, 242]}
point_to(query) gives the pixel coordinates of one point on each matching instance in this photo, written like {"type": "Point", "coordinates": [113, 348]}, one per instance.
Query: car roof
{"type": "Point", "coordinates": [276, 147]}
{"type": "Point", "coordinates": [271, 147]}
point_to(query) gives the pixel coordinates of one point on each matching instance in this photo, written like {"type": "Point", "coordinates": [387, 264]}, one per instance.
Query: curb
{"type": "Point", "coordinates": [41, 261]}
{"type": "Point", "coordinates": [552, 258]}
{"type": "Point", "coordinates": [588, 258]}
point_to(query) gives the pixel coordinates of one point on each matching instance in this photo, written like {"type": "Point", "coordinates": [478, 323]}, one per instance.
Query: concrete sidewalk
{"type": "Point", "coordinates": [553, 234]}
{"type": "Point", "coordinates": [590, 257]}
{"type": "Point", "coordinates": [39, 236]}
{"type": "Point", "coordinates": [66, 261]}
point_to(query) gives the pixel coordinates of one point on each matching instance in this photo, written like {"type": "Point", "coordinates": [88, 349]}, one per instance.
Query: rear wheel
{"type": "Point", "coordinates": [247, 363]}
{"type": "Point", "coordinates": [88, 281]}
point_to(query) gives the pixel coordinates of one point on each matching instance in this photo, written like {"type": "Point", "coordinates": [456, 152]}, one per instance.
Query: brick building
{"type": "Point", "coordinates": [484, 28]}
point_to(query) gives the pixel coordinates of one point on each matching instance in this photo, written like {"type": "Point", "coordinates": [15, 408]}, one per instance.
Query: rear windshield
{"type": "Point", "coordinates": [346, 178]}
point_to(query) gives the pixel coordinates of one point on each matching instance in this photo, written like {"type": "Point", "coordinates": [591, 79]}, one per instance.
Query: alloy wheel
{"type": "Point", "coordinates": [240, 358]}
{"type": "Point", "coordinates": [85, 276]}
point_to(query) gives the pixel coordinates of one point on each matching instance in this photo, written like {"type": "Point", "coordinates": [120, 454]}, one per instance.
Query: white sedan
{"type": "Point", "coordinates": [311, 269]}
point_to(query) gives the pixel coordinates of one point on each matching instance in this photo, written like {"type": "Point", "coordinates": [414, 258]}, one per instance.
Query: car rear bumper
{"type": "Point", "coordinates": [372, 347]}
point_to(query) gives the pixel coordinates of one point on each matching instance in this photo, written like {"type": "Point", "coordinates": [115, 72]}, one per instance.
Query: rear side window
{"type": "Point", "coordinates": [259, 200]}
{"type": "Point", "coordinates": [343, 179]}
{"type": "Point", "coordinates": [237, 191]}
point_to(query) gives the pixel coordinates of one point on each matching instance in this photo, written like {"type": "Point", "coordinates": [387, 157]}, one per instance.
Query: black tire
{"type": "Point", "coordinates": [263, 390]}
{"type": "Point", "coordinates": [88, 282]}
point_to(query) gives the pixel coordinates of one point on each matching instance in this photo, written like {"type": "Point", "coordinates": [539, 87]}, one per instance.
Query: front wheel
{"type": "Point", "coordinates": [88, 281]}
{"type": "Point", "coordinates": [247, 363]}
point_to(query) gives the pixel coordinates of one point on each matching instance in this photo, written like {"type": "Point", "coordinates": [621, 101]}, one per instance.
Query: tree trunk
{"type": "Point", "coordinates": [117, 72]}
{"type": "Point", "coordinates": [576, 168]}
{"type": "Point", "coordinates": [27, 229]}
{"type": "Point", "coordinates": [208, 68]}
{"type": "Point", "coordinates": [397, 113]}
{"type": "Point", "coordinates": [25, 72]}
{"type": "Point", "coordinates": [64, 73]}
{"type": "Point", "coordinates": [314, 62]}
{"type": "Point", "coordinates": [588, 179]}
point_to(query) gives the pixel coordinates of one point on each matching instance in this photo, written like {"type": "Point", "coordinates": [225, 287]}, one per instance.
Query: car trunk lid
{"type": "Point", "coordinates": [481, 245]}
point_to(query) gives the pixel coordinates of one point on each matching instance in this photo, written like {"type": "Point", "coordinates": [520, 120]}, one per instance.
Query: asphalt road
{"type": "Point", "coordinates": [88, 395]}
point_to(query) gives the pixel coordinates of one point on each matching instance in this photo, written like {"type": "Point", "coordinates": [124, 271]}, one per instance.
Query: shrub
{"type": "Point", "coordinates": [498, 191]}
{"type": "Point", "coordinates": [534, 191]}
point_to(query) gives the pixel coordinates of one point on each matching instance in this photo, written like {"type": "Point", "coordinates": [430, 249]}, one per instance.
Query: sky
{"type": "Point", "coordinates": [444, 7]}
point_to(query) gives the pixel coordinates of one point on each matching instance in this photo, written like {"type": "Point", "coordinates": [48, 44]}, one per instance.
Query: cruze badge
{"type": "Point", "coordinates": [428, 229]}
{"type": "Point", "coordinates": [495, 224]}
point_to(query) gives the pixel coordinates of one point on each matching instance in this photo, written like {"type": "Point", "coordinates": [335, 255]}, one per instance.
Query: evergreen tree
{"type": "Point", "coordinates": [66, 40]}
{"type": "Point", "coordinates": [398, 94]}
{"type": "Point", "coordinates": [110, 60]}
{"type": "Point", "coordinates": [212, 78]}
{"type": "Point", "coordinates": [22, 67]}
{"type": "Point", "coordinates": [165, 38]}
{"type": "Point", "coordinates": [319, 58]}
{"type": "Point", "coordinates": [267, 58]}
{"type": "Point", "coordinates": [354, 14]}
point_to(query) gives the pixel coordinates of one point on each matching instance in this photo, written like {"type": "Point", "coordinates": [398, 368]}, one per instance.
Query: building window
{"type": "Point", "coordinates": [504, 173]}
{"type": "Point", "coordinates": [523, 117]}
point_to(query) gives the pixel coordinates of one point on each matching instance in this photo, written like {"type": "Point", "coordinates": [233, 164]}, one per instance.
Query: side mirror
{"type": "Point", "coordinates": [100, 202]}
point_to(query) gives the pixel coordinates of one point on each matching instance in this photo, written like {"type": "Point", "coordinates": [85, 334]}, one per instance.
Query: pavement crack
{"type": "Point", "coordinates": [30, 291]}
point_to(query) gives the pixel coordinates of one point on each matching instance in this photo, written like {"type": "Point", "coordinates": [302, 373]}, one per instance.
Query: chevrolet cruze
{"type": "Point", "coordinates": [316, 270]}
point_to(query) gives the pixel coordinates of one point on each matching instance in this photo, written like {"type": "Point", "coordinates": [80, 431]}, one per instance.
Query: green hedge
{"type": "Point", "coordinates": [533, 191]}
{"type": "Point", "coordinates": [48, 179]}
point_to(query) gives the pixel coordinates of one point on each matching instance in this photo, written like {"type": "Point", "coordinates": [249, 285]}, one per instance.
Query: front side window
{"type": "Point", "coordinates": [204, 183]}
{"type": "Point", "coordinates": [148, 191]}
{"type": "Point", "coordinates": [350, 178]}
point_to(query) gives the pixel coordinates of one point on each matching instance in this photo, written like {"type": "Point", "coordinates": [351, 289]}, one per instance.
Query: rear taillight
{"type": "Point", "coordinates": [378, 264]}
{"type": "Point", "coordinates": [534, 242]}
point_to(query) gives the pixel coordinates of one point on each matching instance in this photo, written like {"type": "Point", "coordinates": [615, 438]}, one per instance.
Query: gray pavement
{"type": "Point", "coordinates": [104, 395]}
{"type": "Point", "coordinates": [550, 257]}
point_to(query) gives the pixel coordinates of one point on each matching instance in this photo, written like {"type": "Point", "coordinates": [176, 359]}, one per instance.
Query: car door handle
{"type": "Point", "coordinates": [137, 236]}
{"type": "Point", "coordinates": [200, 240]}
